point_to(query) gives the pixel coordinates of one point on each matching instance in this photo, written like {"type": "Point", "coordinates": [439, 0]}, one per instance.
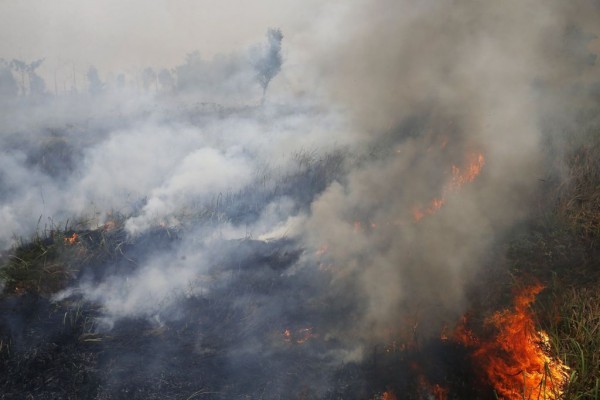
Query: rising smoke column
{"type": "Point", "coordinates": [432, 84]}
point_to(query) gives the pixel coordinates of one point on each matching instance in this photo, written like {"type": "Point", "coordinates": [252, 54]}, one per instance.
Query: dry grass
{"type": "Point", "coordinates": [579, 195]}
{"type": "Point", "coordinates": [571, 317]}
{"type": "Point", "coordinates": [564, 254]}
{"type": "Point", "coordinates": [35, 267]}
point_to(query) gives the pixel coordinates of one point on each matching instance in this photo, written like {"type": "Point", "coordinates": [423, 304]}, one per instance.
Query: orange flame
{"type": "Point", "coordinates": [440, 392]}
{"type": "Point", "coordinates": [389, 395]}
{"type": "Point", "coordinates": [72, 239]}
{"type": "Point", "coordinates": [515, 360]}
{"type": "Point", "coordinates": [460, 177]}
{"type": "Point", "coordinates": [473, 169]}
{"type": "Point", "coordinates": [429, 391]}
{"type": "Point", "coordinates": [418, 214]}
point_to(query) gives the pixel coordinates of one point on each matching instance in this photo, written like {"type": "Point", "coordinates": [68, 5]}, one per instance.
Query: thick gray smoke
{"type": "Point", "coordinates": [437, 85]}
{"type": "Point", "coordinates": [399, 143]}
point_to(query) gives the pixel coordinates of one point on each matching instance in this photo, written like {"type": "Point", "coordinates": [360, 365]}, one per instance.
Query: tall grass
{"type": "Point", "coordinates": [571, 317]}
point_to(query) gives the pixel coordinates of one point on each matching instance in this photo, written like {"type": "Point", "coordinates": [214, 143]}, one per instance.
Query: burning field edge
{"type": "Point", "coordinates": [532, 331]}
{"type": "Point", "coordinates": [403, 203]}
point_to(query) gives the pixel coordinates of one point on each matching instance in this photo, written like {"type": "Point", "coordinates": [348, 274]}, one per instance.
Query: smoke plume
{"type": "Point", "coordinates": [400, 141]}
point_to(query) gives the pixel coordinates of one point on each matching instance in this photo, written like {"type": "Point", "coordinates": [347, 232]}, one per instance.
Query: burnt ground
{"type": "Point", "coordinates": [259, 332]}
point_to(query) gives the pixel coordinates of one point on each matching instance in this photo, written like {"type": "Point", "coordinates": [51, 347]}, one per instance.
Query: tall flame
{"type": "Point", "coordinates": [515, 360]}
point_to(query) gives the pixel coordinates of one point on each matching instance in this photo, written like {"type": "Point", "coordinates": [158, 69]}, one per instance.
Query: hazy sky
{"type": "Point", "coordinates": [126, 35]}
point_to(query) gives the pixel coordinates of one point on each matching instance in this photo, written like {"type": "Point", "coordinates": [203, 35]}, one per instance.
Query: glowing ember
{"type": "Point", "coordinates": [440, 392]}
{"type": "Point", "coordinates": [515, 360]}
{"type": "Point", "coordinates": [444, 334]}
{"type": "Point", "coordinates": [72, 239]}
{"type": "Point", "coordinates": [417, 214]}
{"type": "Point", "coordinates": [299, 336]}
{"type": "Point", "coordinates": [304, 334]}
{"type": "Point", "coordinates": [109, 226]}
{"type": "Point", "coordinates": [322, 250]}
{"type": "Point", "coordinates": [429, 391]}
{"type": "Point", "coordinates": [459, 178]}
{"type": "Point", "coordinates": [388, 396]}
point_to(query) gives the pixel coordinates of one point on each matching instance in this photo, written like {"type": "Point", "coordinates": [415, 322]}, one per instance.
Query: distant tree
{"type": "Point", "coordinates": [149, 79]}
{"type": "Point", "coordinates": [37, 86]}
{"type": "Point", "coordinates": [8, 85]}
{"type": "Point", "coordinates": [121, 81]}
{"type": "Point", "coordinates": [268, 62]}
{"type": "Point", "coordinates": [166, 80]}
{"type": "Point", "coordinates": [222, 76]}
{"type": "Point", "coordinates": [96, 86]}
{"type": "Point", "coordinates": [21, 68]}
{"type": "Point", "coordinates": [192, 74]}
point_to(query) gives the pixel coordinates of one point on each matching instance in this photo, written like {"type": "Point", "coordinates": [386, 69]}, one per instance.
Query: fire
{"type": "Point", "coordinates": [388, 396]}
{"type": "Point", "coordinates": [109, 225]}
{"type": "Point", "coordinates": [515, 359]}
{"type": "Point", "coordinates": [460, 177]}
{"type": "Point", "coordinates": [299, 336]}
{"type": "Point", "coordinates": [440, 392]}
{"type": "Point", "coordinates": [418, 214]}
{"type": "Point", "coordinates": [433, 392]}
{"type": "Point", "coordinates": [72, 239]}
{"type": "Point", "coordinates": [468, 174]}
{"type": "Point", "coordinates": [304, 334]}
{"type": "Point", "coordinates": [287, 335]}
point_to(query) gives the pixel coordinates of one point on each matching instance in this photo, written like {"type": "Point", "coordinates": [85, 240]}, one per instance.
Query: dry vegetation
{"type": "Point", "coordinates": [562, 251]}
{"type": "Point", "coordinates": [575, 302]}
{"type": "Point", "coordinates": [558, 246]}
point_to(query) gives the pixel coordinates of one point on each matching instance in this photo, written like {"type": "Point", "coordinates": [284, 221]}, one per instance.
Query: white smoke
{"type": "Point", "coordinates": [403, 90]}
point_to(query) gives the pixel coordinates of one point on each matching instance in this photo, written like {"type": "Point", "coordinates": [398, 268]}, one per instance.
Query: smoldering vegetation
{"type": "Point", "coordinates": [208, 233]}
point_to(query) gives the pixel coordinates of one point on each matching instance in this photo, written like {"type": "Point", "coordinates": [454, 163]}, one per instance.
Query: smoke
{"type": "Point", "coordinates": [314, 208]}
{"type": "Point", "coordinates": [436, 83]}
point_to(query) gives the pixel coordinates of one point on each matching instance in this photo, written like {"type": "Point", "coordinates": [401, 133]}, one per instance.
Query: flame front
{"type": "Point", "coordinates": [389, 395]}
{"type": "Point", "coordinates": [515, 360]}
{"type": "Point", "coordinates": [71, 240]}
{"type": "Point", "coordinates": [299, 336]}
{"type": "Point", "coordinates": [460, 177]}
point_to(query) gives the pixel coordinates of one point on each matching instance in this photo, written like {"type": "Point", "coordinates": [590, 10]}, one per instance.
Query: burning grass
{"type": "Point", "coordinates": [526, 351]}
{"type": "Point", "coordinates": [507, 357]}
{"type": "Point", "coordinates": [460, 176]}
{"type": "Point", "coordinates": [515, 357]}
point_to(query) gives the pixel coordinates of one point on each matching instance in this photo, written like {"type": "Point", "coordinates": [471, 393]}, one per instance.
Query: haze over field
{"type": "Point", "coordinates": [392, 142]}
